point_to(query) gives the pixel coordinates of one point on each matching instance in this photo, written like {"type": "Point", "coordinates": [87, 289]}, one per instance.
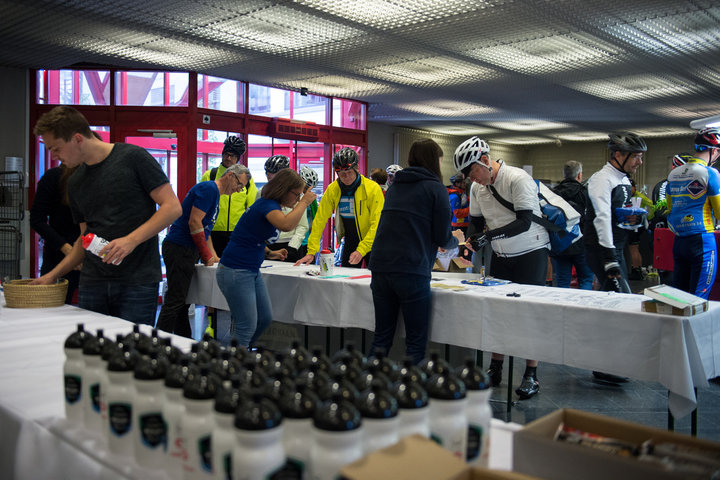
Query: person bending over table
{"type": "Point", "coordinates": [415, 221]}
{"type": "Point", "coordinates": [238, 274]}
{"type": "Point", "coordinates": [358, 202]}
{"type": "Point", "coordinates": [189, 240]}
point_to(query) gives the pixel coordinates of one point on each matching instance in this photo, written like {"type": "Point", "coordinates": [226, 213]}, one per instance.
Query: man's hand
{"type": "Point", "coordinates": [306, 260]}
{"type": "Point", "coordinates": [459, 235]}
{"type": "Point", "coordinates": [277, 254]}
{"type": "Point", "coordinates": [115, 251]}
{"type": "Point", "coordinates": [476, 242]}
{"type": "Point", "coordinates": [46, 279]}
{"type": "Point", "coordinates": [355, 258]}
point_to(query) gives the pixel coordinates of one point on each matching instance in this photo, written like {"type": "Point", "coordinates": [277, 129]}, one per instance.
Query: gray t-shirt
{"type": "Point", "coordinates": [113, 198]}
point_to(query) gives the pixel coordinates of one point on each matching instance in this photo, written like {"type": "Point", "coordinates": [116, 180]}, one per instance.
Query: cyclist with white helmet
{"type": "Point", "coordinates": [231, 207]}
{"type": "Point", "coordinates": [291, 240]}
{"type": "Point", "coordinates": [357, 202]}
{"type": "Point", "coordinates": [520, 246]}
{"type": "Point", "coordinates": [693, 201]}
{"type": "Point", "coordinates": [391, 170]}
{"type": "Point", "coordinates": [311, 180]}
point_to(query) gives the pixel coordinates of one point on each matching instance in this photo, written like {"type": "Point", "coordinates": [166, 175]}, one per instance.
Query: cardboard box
{"type": "Point", "coordinates": [416, 458]}
{"type": "Point", "coordinates": [656, 306]}
{"type": "Point", "coordinates": [457, 264]}
{"type": "Point", "coordinates": [535, 452]}
{"type": "Point", "coordinates": [686, 304]}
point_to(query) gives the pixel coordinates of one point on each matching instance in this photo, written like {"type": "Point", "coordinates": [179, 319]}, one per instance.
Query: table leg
{"type": "Point", "coordinates": [342, 338]}
{"type": "Point", "coordinates": [509, 386]}
{"type": "Point", "coordinates": [327, 341]}
{"type": "Point", "coordinates": [693, 418]}
{"type": "Point", "coordinates": [307, 337]}
{"type": "Point", "coordinates": [479, 358]}
{"type": "Point", "coordinates": [363, 348]}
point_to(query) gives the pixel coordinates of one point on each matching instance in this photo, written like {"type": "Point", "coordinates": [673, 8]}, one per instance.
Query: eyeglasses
{"type": "Point", "coordinates": [238, 180]}
{"type": "Point", "coordinates": [297, 195]}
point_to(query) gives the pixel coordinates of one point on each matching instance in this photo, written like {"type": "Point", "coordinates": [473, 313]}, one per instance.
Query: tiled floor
{"type": "Point", "coordinates": [568, 387]}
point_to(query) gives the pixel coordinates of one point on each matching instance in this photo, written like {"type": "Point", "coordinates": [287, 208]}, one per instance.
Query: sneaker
{"type": "Point", "coordinates": [609, 378]}
{"type": "Point", "coordinates": [528, 388]}
{"type": "Point", "coordinates": [495, 374]}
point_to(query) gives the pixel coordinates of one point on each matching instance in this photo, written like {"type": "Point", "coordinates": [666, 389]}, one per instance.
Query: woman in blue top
{"type": "Point", "coordinates": [238, 274]}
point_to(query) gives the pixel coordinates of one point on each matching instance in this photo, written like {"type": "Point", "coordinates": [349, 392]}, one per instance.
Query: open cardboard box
{"type": "Point", "coordinates": [535, 451]}
{"type": "Point", "coordinates": [417, 457]}
{"type": "Point", "coordinates": [457, 264]}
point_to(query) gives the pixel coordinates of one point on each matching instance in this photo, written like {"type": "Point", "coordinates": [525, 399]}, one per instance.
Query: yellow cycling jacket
{"type": "Point", "coordinates": [369, 201]}
{"type": "Point", "coordinates": [231, 207]}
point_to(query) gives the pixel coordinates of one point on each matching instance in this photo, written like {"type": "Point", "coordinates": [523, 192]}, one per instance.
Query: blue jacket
{"type": "Point", "coordinates": [415, 221]}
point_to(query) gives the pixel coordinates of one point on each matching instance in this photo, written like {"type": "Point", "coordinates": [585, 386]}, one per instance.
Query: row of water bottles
{"type": "Point", "coordinates": [226, 412]}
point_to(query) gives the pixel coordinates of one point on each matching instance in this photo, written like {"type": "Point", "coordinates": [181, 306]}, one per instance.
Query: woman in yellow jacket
{"type": "Point", "coordinates": [357, 203]}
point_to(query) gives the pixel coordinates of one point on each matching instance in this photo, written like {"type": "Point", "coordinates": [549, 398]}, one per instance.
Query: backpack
{"type": "Point", "coordinates": [559, 218]}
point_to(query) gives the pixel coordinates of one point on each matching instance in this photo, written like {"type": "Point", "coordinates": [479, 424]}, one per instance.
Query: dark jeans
{"type": "Point", "coordinates": [596, 262]}
{"type": "Point", "coordinates": [134, 303]}
{"type": "Point", "coordinates": [220, 241]}
{"type": "Point", "coordinates": [180, 267]}
{"type": "Point", "coordinates": [695, 264]}
{"type": "Point", "coordinates": [530, 268]}
{"type": "Point", "coordinates": [393, 292]}
{"type": "Point", "coordinates": [562, 266]}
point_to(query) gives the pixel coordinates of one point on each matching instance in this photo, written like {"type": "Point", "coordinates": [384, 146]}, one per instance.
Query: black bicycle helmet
{"type": "Point", "coordinates": [345, 159]}
{"type": "Point", "coordinates": [707, 138]}
{"type": "Point", "coordinates": [626, 142]}
{"type": "Point", "coordinates": [234, 145]}
{"type": "Point", "coordinates": [276, 163]}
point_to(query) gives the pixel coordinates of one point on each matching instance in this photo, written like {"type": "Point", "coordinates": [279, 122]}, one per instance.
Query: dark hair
{"type": "Point", "coordinates": [63, 122]}
{"type": "Point", "coordinates": [426, 153]}
{"type": "Point", "coordinates": [379, 176]}
{"type": "Point", "coordinates": [285, 180]}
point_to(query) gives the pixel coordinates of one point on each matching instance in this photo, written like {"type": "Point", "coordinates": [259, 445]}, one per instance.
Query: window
{"type": "Point", "coordinates": [151, 89]}
{"type": "Point", "coordinates": [220, 94]}
{"type": "Point", "coordinates": [274, 102]}
{"type": "Point", "coordinates": [260, 148]}
{"type": "Point", "coordinates": [73, 87]}
{"type": "Point", "coordinates": [349, 114]}
{"type": "Point", "coordinates": [210, 144]}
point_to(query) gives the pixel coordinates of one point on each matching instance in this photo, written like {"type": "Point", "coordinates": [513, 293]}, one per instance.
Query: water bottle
{"type": "Point", "coordinates": [299, 356]}
{"type": "Point", "coordinates": [379, 411]}
{"type": "Point", "coordinates": [197, 425]}
{"type": "Point", "coordinates": [350, 354]}
{"type": "Point", "coordinates": [448, 420]}
{"type": "Point", "coordinates": [258, 451]}
{"type": "Point", "coordinates": [150, 437]}
{"type": "Point", "coordinates": [297, 409]}
{"type": "Point", "coordinates": [479, 413]}
{"type": "Point", "coordinates": [414, 407]}
{"type": "Point", "coordinates": [120, 400]}
{"type": "Point", "coordinates": [92, 353]}
{"type": "Point", "coordinates": [109, 348]}
{"type": "Point", "coordinates": [434, 365]}
{"type": "Point", "coordinates": [339, 385]}
{"type": "Point", "coordinates": [223, 434]}
{"type": "Point", "coordinates": [416, 373]}
{"type": "Point", "coordinates": [173, 410]}
{"type": "Point", "coordinates": [94, 244]}
{"type": "Point", "coordinates": [385, 365]}
{"type": "Point", "coordinates": [336, 438]}
{"type": "Point", "coordinates": [73, 371]}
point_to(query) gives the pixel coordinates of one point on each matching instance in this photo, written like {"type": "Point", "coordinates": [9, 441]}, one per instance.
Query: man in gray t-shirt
{"type": "Point", "coordinates": [113, 195]}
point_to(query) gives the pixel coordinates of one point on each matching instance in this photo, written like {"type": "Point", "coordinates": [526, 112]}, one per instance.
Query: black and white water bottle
{"type": "Point", "coordinates": [379, 410]}
{"type": "Point", "coordinates": [414, 404]}
{"type": "Point", "coordinates": [259, 451]}
{"type": "Point", "coordinates": [73, 371]}
{"type": "Point", "coordinates": [478, 411]}
{"type": "Point", "coordinates": [150, 437]}
{"type": "Point", "coordinates": [336, 438]}
{"type": "Point", "coordinates": [448, 418]}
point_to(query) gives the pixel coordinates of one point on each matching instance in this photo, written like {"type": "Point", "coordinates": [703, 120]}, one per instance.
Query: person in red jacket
{"type": "Point", "coordinates": [459, 202]}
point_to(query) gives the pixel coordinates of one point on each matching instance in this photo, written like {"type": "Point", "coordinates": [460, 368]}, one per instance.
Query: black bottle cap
{"type": "Point", "coordinates": [227, 397]}
{"type": "Point", "coordinates": [350, 354]}
{"type": "Point", "coordinates": [299, 404]}
{"type": "Point", "coordinates": [410, 394]}
{"type": "Point", "coordinates": [386, 365]}
{"type": "Point", "coordinates": [198, 385]}
{"type": "Point", "coordinates": [434, 365]}
{"type": "Point", "coordinates": [339, 384]}
{"type": "Point", "coordinates": [123, 360]}
{"type": "Point", "coordinates": [416, 373]}
{"type": "Point", "coordinates": [446, 386]}
{"type": "Point", "coordinates": [299, 355]}
{"type": "Point", "coordinates": [279, 386]}
{"type": "Point", "coordinates": [108, 348]}
{"type": "Point", "coordinates": [366, 378]}
{"type": "Point", "coordinates": [92, 346]}
{"type": "Point", "coordinates": [149, 367]}
{"type": "Point", "coordinates": [177, 373]}
{"type": "Point", "coordinates": [473, 376]}
{"type": "Point", "coordinates": [377, 402]}
{"type": "Point", "coordinates": [337, 415]}
{"type": "Point", "coordinates": [314, 377]}
{"type": "Point", "coordinates": [76, 339]}
{"type": "Point", "coordinates": [209, 345]}
{"type": "Point", "coordinates": [320, 359]}
{"type": "Point", "coordinates": [257, 413]}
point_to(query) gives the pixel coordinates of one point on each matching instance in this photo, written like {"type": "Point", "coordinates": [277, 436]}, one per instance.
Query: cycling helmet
{"type": "Point", "coordinates": [391, 170]}
{"type": "Point", "coordinates": [345, 159]}
{"type": "Point", "coordinates": [707, 138]}
{"type": "Point", "coordinates": [276, 163]}
{"type": "Point", "coordinates": [680, 159]}
{"type": "Point", "coordinates": [234, 145]}
{"type": "Point", "coordinates": [469, 152]}
{"type": "Point", "coordinates": [309, 175]}
{"type": "Point", "coordinates": [626, 142]}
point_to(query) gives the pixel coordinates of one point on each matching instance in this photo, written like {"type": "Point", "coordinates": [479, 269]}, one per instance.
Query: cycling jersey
{"type": "Point", "coordinates": [693, 198]}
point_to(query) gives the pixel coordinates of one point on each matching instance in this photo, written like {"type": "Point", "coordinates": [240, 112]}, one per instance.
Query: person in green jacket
{"type": "Point", "coordinates": [311, 179]}
{"type": "Point", "coordinates": [357, 202]}
{"type": "Point", "coordinates": [232, 206]}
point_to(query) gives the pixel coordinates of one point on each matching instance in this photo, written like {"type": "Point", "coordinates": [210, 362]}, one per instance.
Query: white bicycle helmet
{"type": "Point", "coordinates": [469, 152]}
{"type": "Point", "coordinates": [276, 163]}
{"type": "Point", "coordinates": [391, 170]}
{"type": "Point", "coordinates": [309, 175]}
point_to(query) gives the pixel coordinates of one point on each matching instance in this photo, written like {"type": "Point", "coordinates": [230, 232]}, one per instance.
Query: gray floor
{"type": "Point", "coordinates": [560, 386]}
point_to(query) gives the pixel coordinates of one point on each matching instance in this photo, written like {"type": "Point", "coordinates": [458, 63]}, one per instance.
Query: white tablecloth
{"type": "Point", "coordinates": [586, 329]}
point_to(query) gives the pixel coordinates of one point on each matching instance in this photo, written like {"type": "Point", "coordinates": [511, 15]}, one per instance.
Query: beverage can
{"type": "Point", "coordinates": [326, 263]}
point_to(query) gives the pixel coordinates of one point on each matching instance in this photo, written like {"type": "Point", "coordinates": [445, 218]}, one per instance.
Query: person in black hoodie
{"type": "Point", "coordinates": [575, 194]}
{"type": "Point", "coordinates": [415, 222]}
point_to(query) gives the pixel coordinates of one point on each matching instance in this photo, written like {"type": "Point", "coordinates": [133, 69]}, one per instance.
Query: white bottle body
{"type": "Point", "coordinates": [449, 425]}
{"type": "Point", "coordinates": [73, 371]}
{"type": "Point", "coordinates": [297, 433]}
{"type": "Point", "coordinates": [257, 454]}
{"type": "Point", "coordinates": [479, 414]}
{"type": "Point", "coordinates": [331, 451]}
{"type": "Point", "coordinates": [414, 421]}
{"type": "Point", "coordinates": [120, 398]}
{"type": "Point", "coordinates": [150, 436]}
{"type": "Point", "coordinates": [223, 442]}
{"type": "Point", "coordinates": [196, 426]}
{"type": "Point", "coordinates": [379, 433]}
{"type": "Point", "coordinates": [91, 394]}
{"type": "Point", "coordinates": [104, 383]}
{"type": "Point", "coordinates": [173, 410]}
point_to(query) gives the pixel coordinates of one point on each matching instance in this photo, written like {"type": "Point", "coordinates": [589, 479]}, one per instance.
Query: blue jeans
{"type": "Point", "coordinates": [249, 303]}
{"type": "Point", "coordinates": [562, 266]}
{"type": "Point", "coordinates": [393, 292]}
{"type": "Point", "coordinates": [134, 303]}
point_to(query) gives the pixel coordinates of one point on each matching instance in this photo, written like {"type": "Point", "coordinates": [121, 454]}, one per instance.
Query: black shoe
{"type": "Point", "coordinates": [495, 374]}
{"type": "Point", "coordinates": [528, 388]}
{"type": "Point", "coordinates": [609, 378]}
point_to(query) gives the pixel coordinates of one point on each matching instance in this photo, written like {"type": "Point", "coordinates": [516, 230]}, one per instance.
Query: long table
{"type": "Point", "coordinates": [36, 440]}
{"type": "Point", "coordinates": [593, 330]}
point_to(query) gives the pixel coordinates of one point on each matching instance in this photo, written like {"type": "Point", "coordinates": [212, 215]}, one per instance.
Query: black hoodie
{"type": "Point", "coordinates": [415, 221]}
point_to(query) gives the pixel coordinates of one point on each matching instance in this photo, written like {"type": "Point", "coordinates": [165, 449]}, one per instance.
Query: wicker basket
{"type": "Point", "coordinates": [18, 294]}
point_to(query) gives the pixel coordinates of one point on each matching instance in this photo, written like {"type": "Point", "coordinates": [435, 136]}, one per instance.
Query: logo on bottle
{"type": "Point", "coordinates": [120, 415]}
{"type": "Point", "coordinates": [153, 430]}
{"type": "Point", "coordinates": [73, 388]}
